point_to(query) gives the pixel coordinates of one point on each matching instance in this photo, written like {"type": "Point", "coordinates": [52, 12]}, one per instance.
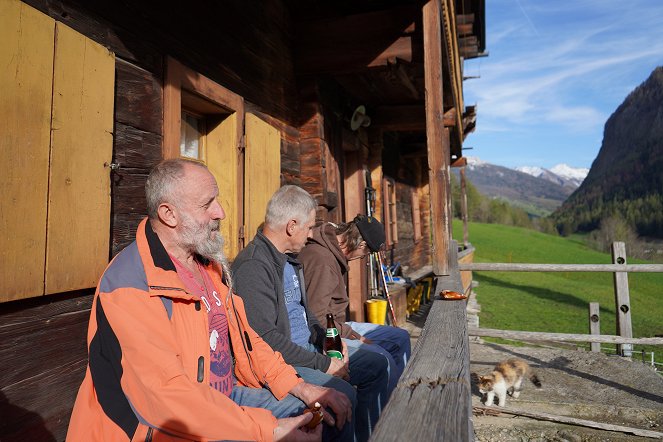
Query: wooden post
{"type": "Point", "coordinates": [622, 302]}
{"type": "Point", "coordinates": [437, 136]}
{"type": "Point", "coordinates": [594, 325]}
{"type": "Point", "coordinates": [463, 207]}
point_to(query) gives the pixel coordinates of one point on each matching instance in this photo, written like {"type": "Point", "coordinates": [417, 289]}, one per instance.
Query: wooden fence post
{"type": "Point", "coordinates": [594, 325]}
{"type": "Point", "coordinates": [622, 302]}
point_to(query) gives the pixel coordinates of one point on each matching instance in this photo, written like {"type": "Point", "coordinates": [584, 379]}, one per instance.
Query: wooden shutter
{"type": "Point", "coordinates": [262, 174]}
{"type": "Point", "coordinates": [77, 246]}
{"type": "Point", "coordinates": [26, 78]}
{"type": "Point", "coordinates": [222, 161]}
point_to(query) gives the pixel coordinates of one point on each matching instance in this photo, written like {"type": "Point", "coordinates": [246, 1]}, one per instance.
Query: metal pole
{"type": "Point", "coordinates": [386, 290]}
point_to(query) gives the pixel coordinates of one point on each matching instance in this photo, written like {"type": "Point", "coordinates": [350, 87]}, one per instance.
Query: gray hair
{"type": "Point", "coordinates": [162, 183]}
{"type": "Point", "coordinates": [350, 235]}
{"type": "Point", "coordinates": [287, 203]}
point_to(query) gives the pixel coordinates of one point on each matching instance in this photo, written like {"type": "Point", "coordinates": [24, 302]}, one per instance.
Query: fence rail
{"type": "Point", "coordinates": [517, 267]}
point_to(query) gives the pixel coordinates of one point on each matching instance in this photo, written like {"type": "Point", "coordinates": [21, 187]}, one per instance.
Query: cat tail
{"type": "Point", "coordinates": [535, 380]}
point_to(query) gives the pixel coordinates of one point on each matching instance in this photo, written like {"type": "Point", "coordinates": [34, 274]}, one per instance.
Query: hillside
{"type": "Point", "coordinates": [536, 195]}
{"type": "Point", "coordinates": [626, 178]}
{"type": "Point", "coordinates": [554, 302]}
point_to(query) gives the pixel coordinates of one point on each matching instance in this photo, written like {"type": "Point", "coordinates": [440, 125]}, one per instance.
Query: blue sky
{"type": "Point", "coordinates": [556, 71]}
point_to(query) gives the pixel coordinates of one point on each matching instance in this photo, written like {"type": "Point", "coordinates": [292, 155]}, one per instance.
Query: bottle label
{"type": "Point", "coordinates": [335, 354]}
{"type": "Point", "coordinates": [332, 332]}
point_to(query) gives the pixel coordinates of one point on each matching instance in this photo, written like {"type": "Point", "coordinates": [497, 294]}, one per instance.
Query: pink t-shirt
{"type": "Point", "coordinates": [221, 369]}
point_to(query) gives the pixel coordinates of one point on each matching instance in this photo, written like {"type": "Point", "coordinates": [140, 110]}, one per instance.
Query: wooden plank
{"type": "Point", "coordinates": [463, 207]}
{"type": "Point", "coordinates": [433, 398]}
{"type": "Point", "coordinates": [39, 409]}
{"type": "Point", "coordinates": [622, 301]}
{"type": "Point", "coordinates": [518, 267]}
{"type": "Point", "coordinates": [406, 118]}
{"type": "Point", "coordinates": [354, 184]}
{"type": "Point", "coordinates": [572, 421]}
{"type": "Point", "coordinates": [438, 138]}
{"type": "Point", "coordinates": [351, 43]}
{"type": "Point", "coordinates": [594, 324]}
{"type": "Point", "coordinates": [223, 162]}
{"type": "Point", "coordinates": [564, 337]}
{"type": "Point", "coordinates": [59, 328]}
{"type": "Point", "coordinates": [262, 171]}
{"type": "Point", "coordinates": [26, 76]}
{"type": "Point", "coordinates": [81, 150]}
{"type": "Point", "coordinates": [139, 98]}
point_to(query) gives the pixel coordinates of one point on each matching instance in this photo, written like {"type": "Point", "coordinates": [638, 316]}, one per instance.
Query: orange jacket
{"type": "Point", "coordinates": [148, 369]}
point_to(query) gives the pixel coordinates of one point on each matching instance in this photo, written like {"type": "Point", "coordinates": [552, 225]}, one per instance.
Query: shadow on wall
{"type": "Point", "coordinates": [18, 424]}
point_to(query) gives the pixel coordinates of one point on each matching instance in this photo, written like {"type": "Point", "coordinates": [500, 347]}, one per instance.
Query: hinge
{"type": "Point", "coordinates": [242, 144]}
{"type": "Point", "coordinates": [240, 237]}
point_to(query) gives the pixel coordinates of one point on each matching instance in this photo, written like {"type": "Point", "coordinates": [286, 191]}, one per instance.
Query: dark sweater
{"type": "Point", "coordinates": [258, 279]}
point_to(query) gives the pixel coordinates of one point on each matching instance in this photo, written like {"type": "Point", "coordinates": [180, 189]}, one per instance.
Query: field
{"type": "Point", "coordinates": [556, 302]}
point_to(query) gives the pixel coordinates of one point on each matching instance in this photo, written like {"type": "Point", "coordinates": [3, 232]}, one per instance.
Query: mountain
{"type": "Point", "coordinates": [626, 178]}
{"type": "Point", "coordinates": [562, 174]}
{"type": "Point", "coordinates": [538, 196]}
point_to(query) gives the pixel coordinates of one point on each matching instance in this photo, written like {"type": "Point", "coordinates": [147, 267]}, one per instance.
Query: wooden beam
{"type": "Point", "coordinates": [465, 28]}
{"type": "Point", "coordinates": [460, 162]}
{"type": "Point", "coordinates": [356, 42]}
{"type": "Point", "coordinates": [570, 420]}
{"type": "Point", "coordinates": [518, 267]}
{"type": "Point", "coordinates": [438, 137]}
{"type": "Point", "coordinates": [407, 118]}
{"type": "Point", "coordinates": [562, 337]}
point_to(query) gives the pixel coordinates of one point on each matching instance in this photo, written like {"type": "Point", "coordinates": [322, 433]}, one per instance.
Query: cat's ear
{"type": "Point", "coordinates": [475, 377]}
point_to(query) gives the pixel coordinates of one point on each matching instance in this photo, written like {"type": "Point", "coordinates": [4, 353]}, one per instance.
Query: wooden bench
{"type": "Point", "coordinates": [432, 401]}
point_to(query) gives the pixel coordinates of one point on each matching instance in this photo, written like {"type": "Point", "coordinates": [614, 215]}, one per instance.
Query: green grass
{"type": "Point", "coordinates": [556, 302]}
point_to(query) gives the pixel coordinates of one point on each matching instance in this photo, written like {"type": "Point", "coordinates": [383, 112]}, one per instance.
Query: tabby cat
{"type": "Point", "coordinates": [507, 377]}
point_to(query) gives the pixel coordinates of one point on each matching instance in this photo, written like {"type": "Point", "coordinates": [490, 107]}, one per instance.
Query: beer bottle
{"type": "Point", "coordinates": [333, 347]}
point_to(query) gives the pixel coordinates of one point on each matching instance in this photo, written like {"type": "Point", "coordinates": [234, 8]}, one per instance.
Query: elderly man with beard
{"type": "Point", "coordinates": [171, 353]}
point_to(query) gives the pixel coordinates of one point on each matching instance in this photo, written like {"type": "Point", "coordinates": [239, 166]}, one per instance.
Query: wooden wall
{"type": "Point", "coordinates": [43, 352]}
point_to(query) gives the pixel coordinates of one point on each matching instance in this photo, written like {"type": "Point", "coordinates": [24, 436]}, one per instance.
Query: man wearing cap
{"type": "Point", "coordinates": [325, 259]}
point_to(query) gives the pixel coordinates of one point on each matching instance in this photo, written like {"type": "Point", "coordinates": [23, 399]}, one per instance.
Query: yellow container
{"type": "Point", "coordinates": [376, 310]}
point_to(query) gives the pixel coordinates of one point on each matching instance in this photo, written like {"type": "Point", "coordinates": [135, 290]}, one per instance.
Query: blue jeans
{"type": "Point", "coordinates": [292, 406]}
{"type": "Point", "coordinates": [391, 342]}
{"type": "Point", "coordinates": [369, 374]}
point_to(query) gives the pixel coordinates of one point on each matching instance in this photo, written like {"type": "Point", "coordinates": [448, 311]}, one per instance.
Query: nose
{"type": "Point", "coordinates": [217, 211]}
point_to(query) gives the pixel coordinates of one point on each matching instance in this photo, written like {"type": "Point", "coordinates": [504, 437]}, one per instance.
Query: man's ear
{"type": "Point", "coordinates": [167, 215]}
{"type": "Point", "coordinates": [290, 227]}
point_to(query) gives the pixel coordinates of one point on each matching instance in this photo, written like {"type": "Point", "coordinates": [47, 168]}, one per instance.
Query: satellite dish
{"type": "Point", "coordinates": [359, 118]}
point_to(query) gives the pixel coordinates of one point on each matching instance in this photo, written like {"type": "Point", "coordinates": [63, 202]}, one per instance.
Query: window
{"type": "Point", "coordinates": [416, 215]}
{"type": "Point", "coordinates": [389, 209]}
{"type": "Point", "coordinates": [206, 122]}
{"type": "Point", "coordinates": [192, 140]}
{"type": "Point", "coordinates": [55, 147]}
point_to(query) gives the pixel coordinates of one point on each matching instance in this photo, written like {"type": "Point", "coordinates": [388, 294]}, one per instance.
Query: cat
{"type": "Point", "coordinates": [507, 377]}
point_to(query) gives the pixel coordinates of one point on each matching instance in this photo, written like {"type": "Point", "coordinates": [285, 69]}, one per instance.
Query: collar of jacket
{"type": "Point", "coordinates": [325, 235]}
{"type": "Point", "coordinates": [160, 271]}
{"type": "Point", "coordinates": [278, 257]}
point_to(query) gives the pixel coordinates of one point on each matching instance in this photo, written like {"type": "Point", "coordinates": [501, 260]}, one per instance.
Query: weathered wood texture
{"type": "Point", "coordinates": [574, 421]}
{"type": "Point", "coordinates": [137, 148]}
{"type": "Point", "coordinates": [562, 337]}
{"type": "Point", "coordinates": [438, 137]}
{"type": "Point", "coordinates": [43, 356]}
{"type": "Point", "coordinates": [516, 267]}
{"type": "Point", "coordinates": [595, 324]}
{"type": "Point", "coordinates": [622, 298]}
{"type": "Point", "coordinates": [253, 59]}
{"type": "Point", "coordinates": [433, 398]}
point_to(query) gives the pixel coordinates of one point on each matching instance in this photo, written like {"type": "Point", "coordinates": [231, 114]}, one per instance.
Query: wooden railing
{"type": "Point", "coordinates": [432, 401]}
{"type": "Point", "coordinates": [624, 334]}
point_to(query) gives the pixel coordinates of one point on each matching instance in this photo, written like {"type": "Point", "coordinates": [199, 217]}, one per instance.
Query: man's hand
{"type": "Point", "coordinates": [339, 368]}
{"type": "Point", "coordinates": [291, 429]}
{"type": "Point", "coordinates": [328, 398]}
{"type": "Point", "coordinates": [365, 340]}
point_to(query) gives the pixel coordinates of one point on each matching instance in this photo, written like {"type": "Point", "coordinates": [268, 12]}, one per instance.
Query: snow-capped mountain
{"type": "Point", "coordinates": [539, 195]}
{"type": "Point", "coordinates": [562, 174]}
